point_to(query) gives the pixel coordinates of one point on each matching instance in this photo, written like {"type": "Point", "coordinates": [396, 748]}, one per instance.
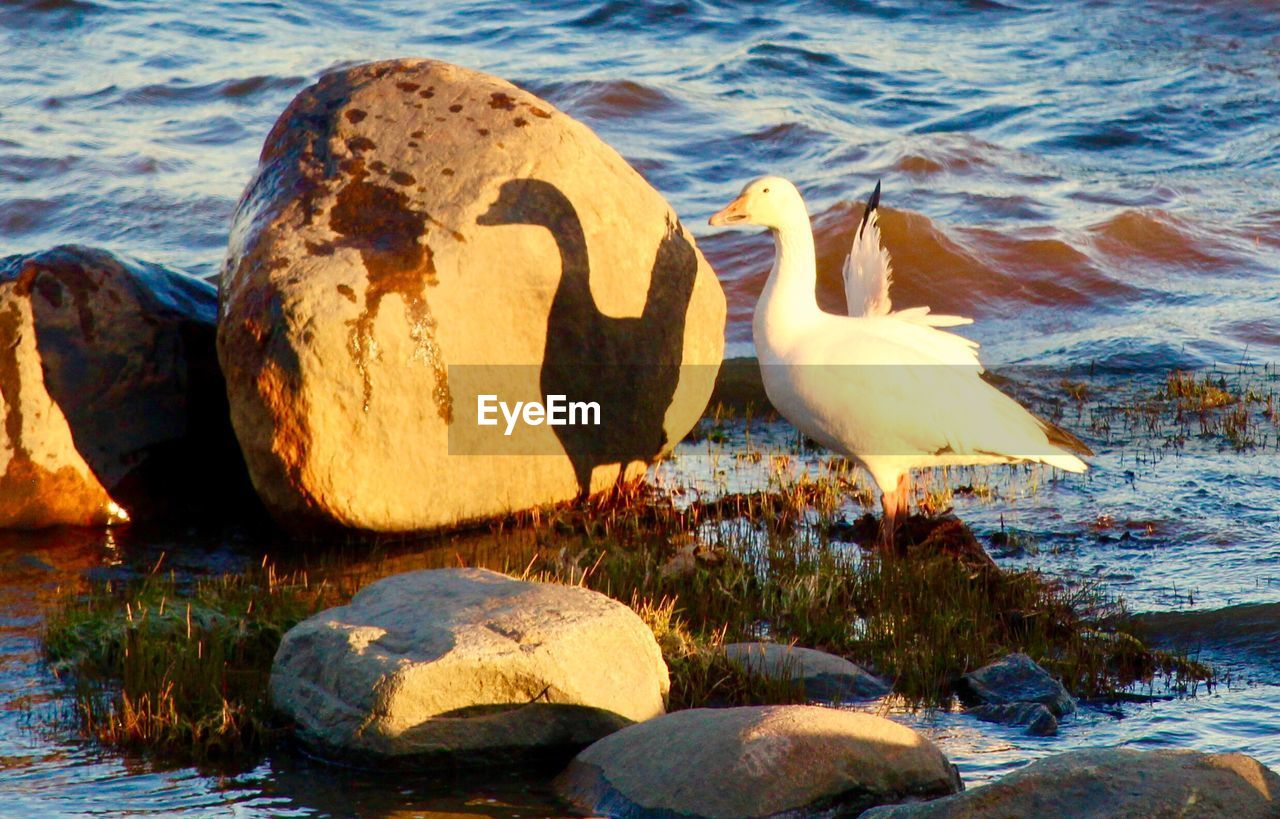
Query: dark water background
{"type": "Point", "coordinates": [1095, 182]}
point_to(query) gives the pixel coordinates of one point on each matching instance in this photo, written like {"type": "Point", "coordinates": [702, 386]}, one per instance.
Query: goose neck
{"type": "Point", "coordinates": [790, 296]}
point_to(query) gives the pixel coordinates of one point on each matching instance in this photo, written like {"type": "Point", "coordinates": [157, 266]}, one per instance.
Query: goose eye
{"type": "Point", "coordinates": [766, 190]}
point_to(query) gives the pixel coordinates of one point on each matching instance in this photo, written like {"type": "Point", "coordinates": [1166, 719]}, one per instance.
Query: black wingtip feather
{"type": "Point", "coordinates": [872, 204]}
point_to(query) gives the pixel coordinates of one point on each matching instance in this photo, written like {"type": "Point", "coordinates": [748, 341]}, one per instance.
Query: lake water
{"type": "Point", "coordinates": [1097, 183]}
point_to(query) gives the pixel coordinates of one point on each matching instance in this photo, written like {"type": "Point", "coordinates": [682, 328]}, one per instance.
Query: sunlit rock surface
{"type": "Point", "coordinates": [113, 404]}
{"type": "Point", "coordinates": [792, 760]}
{"type": "Point", "coordinates": [1101, 783]}
{"type": "Point", "coordinates": [418, 234]}
{"type": "Point", "coordinates": [468, 664]}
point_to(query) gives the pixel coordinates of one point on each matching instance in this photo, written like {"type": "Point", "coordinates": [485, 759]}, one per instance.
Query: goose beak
{"type": "Point", "coordinates": [735, 211]}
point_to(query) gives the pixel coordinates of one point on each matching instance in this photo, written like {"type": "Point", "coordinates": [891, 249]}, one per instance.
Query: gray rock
{"type": "Point", "coordinates": [1039, 720]}
{"type": "Point", "coordinates": [1104, 783]}
{"type": "Point", "coordinates": [112, 400]}
{"type": "Point", "coordinates": [1015, 679]}
{"type": "Point", "coordinates": [467, 665]}
{"type": "Point", "coordinates": [757, 761]}
{"type": "Point", "coordinates": [418, 235]}
{"type": "Point", "coordinates": [826, 677]}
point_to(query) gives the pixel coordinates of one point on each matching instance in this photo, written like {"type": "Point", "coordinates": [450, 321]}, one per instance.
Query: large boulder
{"type": "Point", "coordinates": [112, 399]}
{"type": "Point", "coordinates": [825, 677]}
{"type": "Point", "coordinates": [467, 665]}
{"type": "Point", "coordinates": [756, 761]}
{"type": "Point", "coordinates": [1100, 783]}
{"type": "Point", "coordinates": [419, 235]}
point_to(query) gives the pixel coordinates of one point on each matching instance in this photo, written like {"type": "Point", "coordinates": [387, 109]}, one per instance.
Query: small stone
{"type": "Point", "coordinates": [1015, 679]}
{"type": "Point", "coordinates": [1039, 720]}
{"type": "Point", "coordinates": [826, 677]}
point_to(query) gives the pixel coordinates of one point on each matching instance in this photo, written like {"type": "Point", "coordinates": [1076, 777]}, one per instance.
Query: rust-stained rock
{"type": "Point", "coordinates": [418, 234]}
{"type": "Point", "coordinates": [112, 401]}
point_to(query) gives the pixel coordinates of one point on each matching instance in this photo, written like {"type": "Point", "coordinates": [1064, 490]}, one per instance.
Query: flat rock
{"type": "Point", "coordinates": [1104, 783]}
{"type": "Point", "coordinates": [467, 665]}
{"type": "Point", "coordinates": [417, 236]}
{"type": "Point", "coordinates": [1015, 679]}
{"type": "Point", "coordinates": [825, 677]}
{"type": "Point", "coordinates": [112, 400]}
{"type": "Point", "coordinates": [786, 760]}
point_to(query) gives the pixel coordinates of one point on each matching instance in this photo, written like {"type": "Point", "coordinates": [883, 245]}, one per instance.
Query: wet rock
{"type": "Point", "coordinates": [1039, 720]}
{"type": "Point", "coordinates": [1101, 783]}
{"type": "Point", "coordinates": [756, 761]}
{"type": "Point", "coordinates": [419, 235]}
{"type": "Point", "coordinates": [1015, 679]}
{"type": "Point", "coordinates": [919, 537]}
{"type": "Point", "coordinates": [112, 398]}
{"type": "Point", "coordinates": [826, 677]}
{"type": "Point", "coordinates": [467, 665]}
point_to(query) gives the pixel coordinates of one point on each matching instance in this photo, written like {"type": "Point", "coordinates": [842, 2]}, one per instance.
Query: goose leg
{"type": "Point", "coordinates": [897, 506]}
{"type": "Point", "coordinates": [903, 495]}
{"type": "Point", "coordinates": [888, 522]}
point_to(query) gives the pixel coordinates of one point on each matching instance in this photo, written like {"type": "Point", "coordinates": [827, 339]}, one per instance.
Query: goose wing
{"type": "Point", "coordinates": [921, 342]}
{"type": "Point", "coordinates": [868, 275]}
{"type": "Point", "coordinates": [867, 269]}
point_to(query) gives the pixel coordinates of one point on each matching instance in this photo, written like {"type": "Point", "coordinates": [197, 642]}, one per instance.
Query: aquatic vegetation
{"type": "Point", "coordinates": [177, 666]}
{"type": "Point", "coordinates": [1234, 407]}
{"type": "Point", "coordinates": [181, 666]}
{"type": "Point", "coordinates": [919, 620]}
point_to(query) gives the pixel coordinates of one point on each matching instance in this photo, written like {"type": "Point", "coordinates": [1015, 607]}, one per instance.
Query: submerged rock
{"type": "Point", "coordinates": [112, 398]}
{"type": "Point", "coordinates": [1015, 679]}
{"type": "Point", "coordinates": [756, 761]}
{"type": "Point", "coordinates": [1039, 720]}
{"type": "Point", "coordinates": [417, 236]}
{"type": "Point", "coordinates": [825, 677]}
{"type": "Point", "coordinates": [1101, 783]}
{"type": "Point", "coordinates": [467, 665]}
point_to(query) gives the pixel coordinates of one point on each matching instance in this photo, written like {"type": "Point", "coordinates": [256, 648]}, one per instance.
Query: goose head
{"type": "Point", "coordinates": [769, 201]}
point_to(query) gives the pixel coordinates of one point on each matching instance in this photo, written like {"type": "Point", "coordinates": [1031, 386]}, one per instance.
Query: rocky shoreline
{"type": "Point", "coordinates": [437, 667]}
{"type": "Point", "coordinates": [411, 218]}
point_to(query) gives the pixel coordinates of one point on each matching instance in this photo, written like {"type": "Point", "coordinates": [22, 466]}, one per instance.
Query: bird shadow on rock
{"type": "Point", "coordinates": [630, 366]}
{"type": "Point", "coordinates": [919, 537]}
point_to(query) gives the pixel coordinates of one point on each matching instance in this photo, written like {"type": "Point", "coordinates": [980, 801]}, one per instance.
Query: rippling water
{"type": "Point", "coordinates": [1097, 183]}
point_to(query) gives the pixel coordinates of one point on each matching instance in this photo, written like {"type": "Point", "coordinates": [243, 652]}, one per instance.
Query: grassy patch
{"type": "Point", "coordinates": [180, 668]}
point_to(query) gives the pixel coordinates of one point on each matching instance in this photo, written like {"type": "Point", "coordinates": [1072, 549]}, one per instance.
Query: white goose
{"type": "Point", "coordinates": [886, 388]}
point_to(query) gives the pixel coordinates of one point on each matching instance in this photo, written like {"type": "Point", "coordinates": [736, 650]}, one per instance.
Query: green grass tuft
{"type": "Point", "coordinates": [179, 668]}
